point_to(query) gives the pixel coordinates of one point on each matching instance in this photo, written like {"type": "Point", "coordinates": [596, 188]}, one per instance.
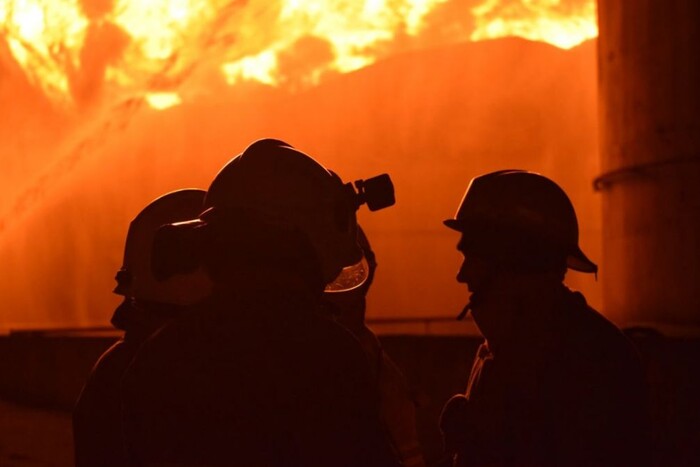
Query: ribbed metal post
{"type": "Point", "coordinates": [649, 73]}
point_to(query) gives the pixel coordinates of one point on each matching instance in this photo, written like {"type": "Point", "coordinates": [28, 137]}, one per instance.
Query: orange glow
{"type": "Point", "coordinates": [164, 37]}
{"type": "Point", "coordinates": [163, 100]}
{"type": "Point", "coordinates": [261, 67]}
{"type": "Point", "coordinates": [339, 36]}
{"type": "Point", "coordinates": [44, 36]}
{"type": "Point", "coordinates": [556, 22]}
{"type": "Point", "coordinates": [75, 50]}
{"type": "Point", "coordinates": [148, 96]}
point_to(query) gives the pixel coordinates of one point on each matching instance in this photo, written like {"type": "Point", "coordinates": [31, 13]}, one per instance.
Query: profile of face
{"type": "Point", "coordinates": [495, 320]}
{"type": "Point", "coordinates": [475, 272]}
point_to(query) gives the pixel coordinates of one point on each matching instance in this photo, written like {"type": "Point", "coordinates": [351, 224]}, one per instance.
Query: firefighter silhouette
{"type": "Point", "coordinates": [148, 304]}
{"type": "Point", "coordinates": [554, 383]}
{"type": "Point", "coordinates": [397, 407]}
{"type": "Point", "coordinates": [256, 376]}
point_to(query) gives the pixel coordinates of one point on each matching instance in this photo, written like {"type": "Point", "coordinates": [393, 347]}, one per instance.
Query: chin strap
{"type": "Point", "coordinates": [474, 298]}
{"type": "Point", "coordinates": [465, 311]}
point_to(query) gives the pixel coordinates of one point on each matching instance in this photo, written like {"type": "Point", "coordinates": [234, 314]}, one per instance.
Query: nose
{"type": "Point", "coordinates": [462, 273]}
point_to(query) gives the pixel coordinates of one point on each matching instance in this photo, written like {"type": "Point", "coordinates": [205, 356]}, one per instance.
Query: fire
{"type": "Point", "coordinates": [563, 24]}
{"type": "Point", "coordinates": [164, 37]}
{"type": "Point", "coordinates": [76, 50]}
{"type": "Point", "coordinates": [44, 36]}
{"type": "Point", "coordinates": [333, 36]}
{"type": "Point", "coordinates": [69, 46]}
{"type": "Point", "coordinates": [163, 100]}
{"type": "Point", "coordinates": [261, 67]}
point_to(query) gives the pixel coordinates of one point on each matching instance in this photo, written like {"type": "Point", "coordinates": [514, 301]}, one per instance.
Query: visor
{"type": "Point", "coordinates": [350, 278]}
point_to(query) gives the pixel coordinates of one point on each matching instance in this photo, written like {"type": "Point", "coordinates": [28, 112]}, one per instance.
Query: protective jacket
{"type": "Point", "coordinates": [397, 407]}
{"type": "Point", "coordinates": [255, 380]}
{"type": "Point", "coordinates": [569, 391]}
{"type": "Point", "coordinates": [97, 428]}
{"type": "Point", "coordinates": [97, 435]}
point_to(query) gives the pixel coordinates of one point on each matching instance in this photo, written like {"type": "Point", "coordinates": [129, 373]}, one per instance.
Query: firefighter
{"type": "Point", "coordinates": [554, 383]}
{"type": "Point", "coordinates": [148, 304]}
{"type": "Point", "coordinates": [398, 412]}
{"type": "Point", "coordinates": [257, 377]}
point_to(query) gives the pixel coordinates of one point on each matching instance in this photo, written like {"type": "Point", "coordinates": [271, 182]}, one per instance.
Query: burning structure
{"type": "Point", "coordinates": [116, 102]}
{"type": "Point", "coordinates": [110, 103]}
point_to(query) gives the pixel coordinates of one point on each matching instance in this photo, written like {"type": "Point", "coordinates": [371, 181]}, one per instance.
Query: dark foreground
{"type": "Point", "coordinates": [47, 370]}
{"type": "Point", "coordinates": [32, 437]}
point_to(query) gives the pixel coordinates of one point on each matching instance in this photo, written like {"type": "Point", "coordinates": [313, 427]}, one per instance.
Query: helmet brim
{"type": "Point", "coordinates": [578, 261]}
{"type": "Point", "coordinates": [454, 224]}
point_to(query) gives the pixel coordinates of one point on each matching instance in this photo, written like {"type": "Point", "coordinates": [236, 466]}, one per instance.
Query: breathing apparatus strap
{"type": "Point", "coordinates": [465, 311]}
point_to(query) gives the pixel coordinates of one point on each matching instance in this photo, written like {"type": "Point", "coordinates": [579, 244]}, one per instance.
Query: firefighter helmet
{"type": "Point", "coordinates": [521, 204]}
{"type": "Point", "coordinates": [272, 182]}
{"type": "Point", "coordinates": [135, 278]}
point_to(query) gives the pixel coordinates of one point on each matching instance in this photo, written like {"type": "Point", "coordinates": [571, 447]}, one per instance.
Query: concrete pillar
{"type": "Point", "coordinates": [649, 78]}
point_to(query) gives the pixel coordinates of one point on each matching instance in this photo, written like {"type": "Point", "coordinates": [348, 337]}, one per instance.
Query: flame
{"type": "Point", "coordinates": [163, 100]}
{"type": "Point", "coordinates": [335, 36]}
{"type": "Point", "coordinates": [164, 36]}
{"type": "Point", "coordinates": [76, 51]}
{"type": "Point", "coordinates": [563, 24]}
{"type": "Point", "coordinates": [261, 67]}
{"type": "Point", "coordinates": [44, 36]}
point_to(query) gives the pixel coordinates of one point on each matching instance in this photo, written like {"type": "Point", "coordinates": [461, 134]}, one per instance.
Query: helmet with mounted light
{"type": "Point", "coordinates": [273, 202]}
{"type": "Point", "coordinates": [135, 279]}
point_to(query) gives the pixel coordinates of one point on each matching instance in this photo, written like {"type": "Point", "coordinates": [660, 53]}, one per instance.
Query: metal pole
{"type": "Point", "coordinates": [649, 89]}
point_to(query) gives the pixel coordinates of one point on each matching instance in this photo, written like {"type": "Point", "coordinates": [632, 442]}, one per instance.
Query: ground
{"type": "Point", "coordinates": [32, 437]}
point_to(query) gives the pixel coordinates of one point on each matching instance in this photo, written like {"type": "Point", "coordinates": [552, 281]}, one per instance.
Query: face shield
{"type": "Point", "coordinates": [350, 277]}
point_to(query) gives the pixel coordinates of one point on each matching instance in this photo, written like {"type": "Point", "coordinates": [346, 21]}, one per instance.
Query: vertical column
{"type": "Point", "coordinates": [649, 90]}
